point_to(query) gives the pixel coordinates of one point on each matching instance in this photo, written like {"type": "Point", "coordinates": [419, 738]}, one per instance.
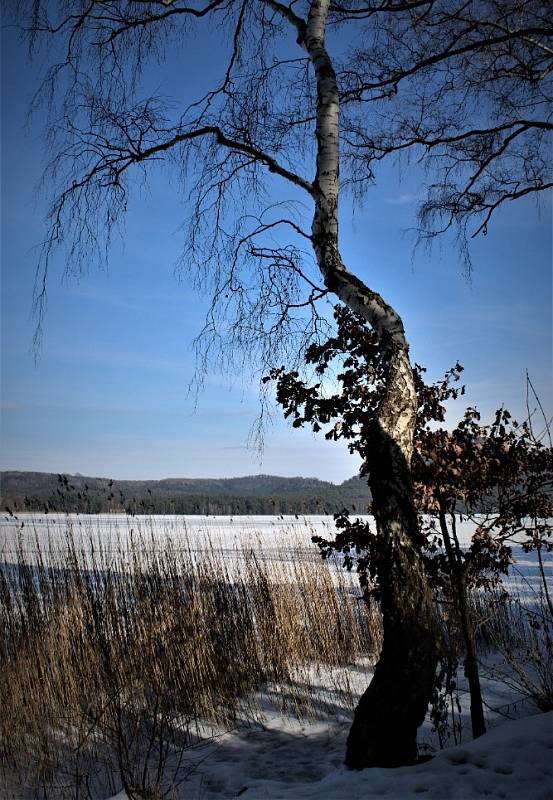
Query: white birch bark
{"type": "Point", "coordinates": [397, 414]}
{"type": "Point", "coordinates": [394, 705]}
{"type": "Point", "coordinates": [384, 729]}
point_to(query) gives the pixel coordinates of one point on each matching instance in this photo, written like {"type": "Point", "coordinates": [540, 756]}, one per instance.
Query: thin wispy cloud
{"type": "Point", "coordinates": [97, 296]}
{"type": "Point", "coordinates": [110, 355]}
{"type": "Point", "coordinates": [407, 198]}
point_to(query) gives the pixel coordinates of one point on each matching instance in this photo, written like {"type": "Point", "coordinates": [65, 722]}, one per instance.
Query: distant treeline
{"type": "Point", "coordinates": [255, 494]}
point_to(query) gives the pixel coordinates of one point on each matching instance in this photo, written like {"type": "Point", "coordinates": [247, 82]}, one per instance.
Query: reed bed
{"type": "Point", "coordinates": [115, 660]}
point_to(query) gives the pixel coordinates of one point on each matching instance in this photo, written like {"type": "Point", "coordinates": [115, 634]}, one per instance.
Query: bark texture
{"type": "Point", "coordinates": [384, 729]}
{"type": "Point", "coordinates": [393, 707]}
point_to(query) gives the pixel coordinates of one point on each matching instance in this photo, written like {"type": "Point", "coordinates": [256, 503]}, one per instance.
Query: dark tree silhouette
{"type": "Point", "coordinates": [500, 474]}
{"type": "Point", "coordinates": [286, 117]}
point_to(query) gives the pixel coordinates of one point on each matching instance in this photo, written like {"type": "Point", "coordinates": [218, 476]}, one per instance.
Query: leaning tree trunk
{"type": "Point", "coordinates": [386, 719]}
{"type": "Point", "coordinates": [388, 715]}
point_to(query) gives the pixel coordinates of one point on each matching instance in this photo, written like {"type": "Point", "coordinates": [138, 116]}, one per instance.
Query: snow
{"type": "Point", "coordinates": [223, 528]}
{"type": "Point", "coordinates": [287, 759]}
{"type": "Point", "coordinates": [282, 756]}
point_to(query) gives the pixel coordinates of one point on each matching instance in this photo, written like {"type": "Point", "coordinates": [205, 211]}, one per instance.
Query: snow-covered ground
{"type": "Point", "coordinates": [285, 757]}
{"type": "Point", "coordinates": [224, 529]}
{"type": "Point", "coordinates": [298, 762]}
{"type": "Point", "coordinates": [228, 534]}
{"type": "Point", "coordinates": [227, 530]}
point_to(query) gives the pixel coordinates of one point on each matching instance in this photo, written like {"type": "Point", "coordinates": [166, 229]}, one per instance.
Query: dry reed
{"type": "Point", "coordinates": [116, 659]}
{"type": "Point", "coordinates": [518, 631]}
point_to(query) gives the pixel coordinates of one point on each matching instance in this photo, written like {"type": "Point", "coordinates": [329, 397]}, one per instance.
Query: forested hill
{"type": "Point", "coordinates": [254, 494]}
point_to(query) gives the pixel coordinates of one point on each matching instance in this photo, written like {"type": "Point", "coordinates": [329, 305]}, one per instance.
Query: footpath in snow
{"type": "Point", "coordinates": [304, 762]}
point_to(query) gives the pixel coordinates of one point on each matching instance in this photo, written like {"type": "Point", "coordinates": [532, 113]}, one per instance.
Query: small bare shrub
{"type": "Point", "coordinates": [519, 631]}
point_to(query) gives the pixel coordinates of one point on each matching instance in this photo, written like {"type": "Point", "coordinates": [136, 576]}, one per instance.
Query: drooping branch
{"type": "Point", "coordinates": [466, 89]}
{"type": "Point", "coordinates": [451, 51]}
{"type": "Point", "coordinates": [226, 141]}
{"type": "Point", "coordinates": [115, 19]}
{"type": "Point", "coordinates": [264, 119]}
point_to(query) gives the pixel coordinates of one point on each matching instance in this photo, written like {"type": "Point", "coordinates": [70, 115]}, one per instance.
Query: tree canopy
{"type": "Point", "coordinates": [464, 88]}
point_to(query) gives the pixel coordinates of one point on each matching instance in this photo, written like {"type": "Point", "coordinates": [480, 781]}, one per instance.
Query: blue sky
{"type": "Point", "coordinates": [109, 394]}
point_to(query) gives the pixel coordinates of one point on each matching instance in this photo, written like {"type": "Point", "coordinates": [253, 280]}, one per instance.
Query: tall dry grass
{"type": "Point", "coordinates": [518, 631]}
{"type": "Point", "coordinates": [514, 645]}
{"type": "Point", "coordinates": [115, 660]}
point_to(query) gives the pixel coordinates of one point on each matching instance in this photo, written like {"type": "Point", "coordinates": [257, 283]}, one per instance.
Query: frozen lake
{"type": "Point", "coordinates": [272, 537]}
{"type": "Point", "coordinates": [115, 532]}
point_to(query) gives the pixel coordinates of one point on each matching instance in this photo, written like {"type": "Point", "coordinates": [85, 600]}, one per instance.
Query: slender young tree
{"type": "Point", "coordinates": [252, 151]}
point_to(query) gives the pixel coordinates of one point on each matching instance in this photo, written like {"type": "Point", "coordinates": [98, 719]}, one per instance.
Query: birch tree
{"type": "Point", "coordinates": [260, 155]}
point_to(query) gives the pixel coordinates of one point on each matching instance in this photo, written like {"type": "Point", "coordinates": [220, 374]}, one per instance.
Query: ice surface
{"type": "Point", "coordinates": [230, 536]}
